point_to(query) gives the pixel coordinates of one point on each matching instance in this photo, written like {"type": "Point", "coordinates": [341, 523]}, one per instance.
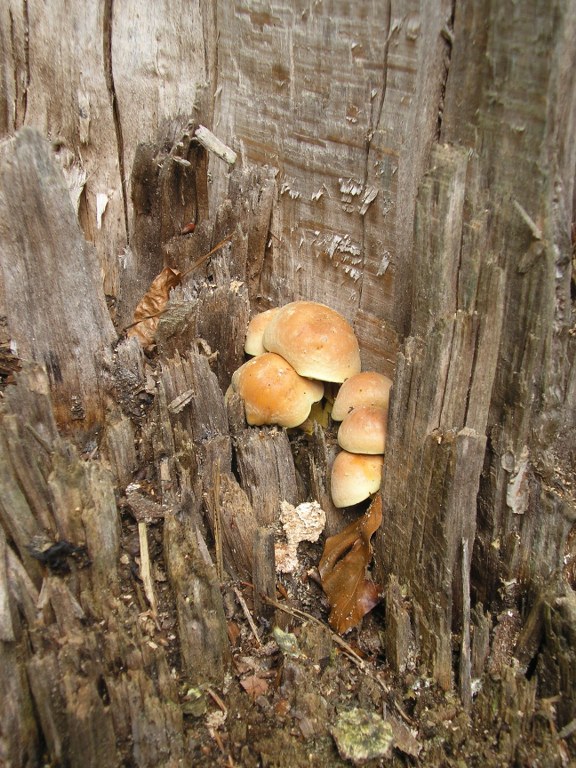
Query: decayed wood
{"type": "Point", "coordinates": [433, 460]}
{"type": "Point", "coordinates": [57, 317]}
{"type": "Point", "coordinates": [518, 178]}
{"type": "Point", "coordinates": [400, 638]}
{"type": "Point", "coordinates": [99, 689]}
{"type": "Point", "coordinates": [347, 171]}
{"type": "Point", "coordinates": [320, 457]}
{"type": "Point", "coordinates": [204, 420]}
{"type": "Point", "coordinates": [80, 121]}
{"type": "Point", "coordinates": [264, 567]}
{"type": "Point", "coordinates": [267, 472]}
{"type": "Point", "coordinates": [488, 351]}
{"type": "Point", "coordinates": [169, 197]}
{"type": "Point", "coordinates": [204, 642]}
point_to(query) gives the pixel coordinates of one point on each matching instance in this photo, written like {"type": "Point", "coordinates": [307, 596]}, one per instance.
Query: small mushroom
{"type": "Point", "coordinates": [363, 430]}
{"type": "Point", "coordinates": [366, 388]}
{"type": "Point", "coordinates": [315, 339]}
{"type": "Point", "coordinates": [273, 393]}
{"type": "Point", "coordinates": [255, 331]}
{"type": "Point", "coordinates": [354, 478]}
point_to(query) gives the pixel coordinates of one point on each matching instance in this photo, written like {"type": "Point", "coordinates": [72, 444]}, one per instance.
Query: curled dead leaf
{"type": "Point", "coordinates": [343, 570]}
{"type": "Point", "coordinates": [150, 308]}
{"type": "Point", "coordinates": [152, 305]}
{"type": "Point", "coordinates": [254, 686]}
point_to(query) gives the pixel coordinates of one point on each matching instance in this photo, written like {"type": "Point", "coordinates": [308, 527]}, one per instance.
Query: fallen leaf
{"type": "Point", "coordinates": [150, 308]}
{"type": "Point", "coordinates": [343, 570]}
{"type": "Point", "coordinates": [152, 305]}
{"type": "Point", "coordinates": [254, 686]}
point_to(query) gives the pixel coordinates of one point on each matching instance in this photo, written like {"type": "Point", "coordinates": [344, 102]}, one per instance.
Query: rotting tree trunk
{"type": "Point", "coordinates": [40, 229]}
{"type": "Point", "coordinates": [482, 424]}
{"type": "Point", "coordinates": [418, 176]}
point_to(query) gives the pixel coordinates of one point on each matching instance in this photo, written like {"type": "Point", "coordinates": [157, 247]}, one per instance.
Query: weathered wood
{"type": "Point", "coordinates": [99, 690]}
{"type": "Point", "coordinates": [229, 510]}
{"type": "Point", "coordinates": [267, 472]}
{"type": "Point", "coordinates": [484, 388]}
{"type": "Point", "coordinates": [168, 193]}
{"type": "Point", "coordinates": [58, 317]}
{"type": "Point", "coordinates": [320, 457]}
{"type": "Point", "coordinates": [433, 460]}
{"type": "Point", "coordinates": [264, 567]}
{"type": "Point", "coordinates": [520, 177]}
{"type": "Point", "coordinates": [81, 121]}
{"type": "Point", "coordinates": [120, 450]}
{"type": "Point", "coordinates": [202, 624]}
{"type": "Point", "coordinates": [400, 642]}
{"type": "Point", "coordinates": [217, 321]}
{"type": "Point", "coordinates": [347, 171]}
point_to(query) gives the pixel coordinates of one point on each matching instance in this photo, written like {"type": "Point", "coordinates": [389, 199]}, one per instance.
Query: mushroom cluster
{"type": "Point", "coordinates": [361, 406]}
{"type": "Point", "coordinates": [296, 349]}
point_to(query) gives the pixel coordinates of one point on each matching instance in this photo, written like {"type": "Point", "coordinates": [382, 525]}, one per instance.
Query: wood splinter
{"type": "Point", "coordinates": [145, 571]}
{"type": "Point", "coordinates": [213, 144]}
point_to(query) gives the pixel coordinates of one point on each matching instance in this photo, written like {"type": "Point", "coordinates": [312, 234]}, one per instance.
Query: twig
{"type": "Point", "coordinates": [202, 259]}
{"type": "Point", "coordinates": [212, 143]}
{"type": "Point", "coordinates": [218, 525]}
{"type": "Point", "coordinates": [213, 695]}
{"type": "Point", "coordinates": [465, 669]}
{"type": "Point", "coordinates": [248, 615]}
{"type": "Point", "coordinates": [145, 572]}
{"type": "Point", "coordinates": [297, 613]}
{"type": "Point", "coordinates": [349, 652]}
{"type": "Point", "coordinates": [528, 220]}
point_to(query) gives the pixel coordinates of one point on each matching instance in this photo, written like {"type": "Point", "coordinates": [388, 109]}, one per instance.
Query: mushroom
{"type": "Point", "coordinates": [273, 392]}
{"type": "Point", "coordinates": [363, 430]}
{"type": "Point", "coordinates": [315, 339]}
{"type": "Point", "coordinates": [366, 388]}
{"type": "Point", "coordinates": [354, 478]}
{"type": "Point", "coordinates": [255, 331]}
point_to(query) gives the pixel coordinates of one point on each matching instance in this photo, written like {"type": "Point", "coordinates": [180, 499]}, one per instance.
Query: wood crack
{"type": "Point", "coordinates": [448, 36]}
{"type": "Point", "coordinates": [109, 77]}
{"type": "Point", "coordinates": [20, 86]}
{"type": "Point", "coordinates": [375, 117]}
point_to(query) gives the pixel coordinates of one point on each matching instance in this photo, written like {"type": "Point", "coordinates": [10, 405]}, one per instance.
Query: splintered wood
{"type": "Point", "coordinates": [54, 316]}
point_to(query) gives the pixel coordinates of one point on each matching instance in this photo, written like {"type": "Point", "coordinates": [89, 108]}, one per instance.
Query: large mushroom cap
{"type": "Point", "coordinates": [315, 339]}
{"type": "Point", "coordinates": [354, 478]}
{"type": "Point", "coordinates": [366, 388]}
{"type": "Point", "coordinates": [273, 392]}
{"type": "Point", "coordinates": [255, 331]}
{"type": "Point", "coordinates": [364, 430]}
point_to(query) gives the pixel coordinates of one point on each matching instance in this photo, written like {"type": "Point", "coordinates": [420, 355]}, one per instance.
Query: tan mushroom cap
{"type": "Point", "coordinates": [318, 341]}
{"type": "Point", "coordinates": [363, 430]}
{"type": "Point", "coordinates": [366, 388]}
{"type": "Point", "coordinates": [354, 478]}
{"type": "Point", "coordinates": [255, 331]}
{"type": "Point", "coordinates": [273, 392]}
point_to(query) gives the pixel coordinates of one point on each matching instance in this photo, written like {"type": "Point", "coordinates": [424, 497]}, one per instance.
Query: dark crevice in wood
{"type": "Point", "coordinates": [107, 31]}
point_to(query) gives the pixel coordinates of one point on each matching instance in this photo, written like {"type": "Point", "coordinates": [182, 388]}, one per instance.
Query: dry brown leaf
{"type": "Point", "coordinates": [152, 305]}
{"type": "Point", "coordinates": [343, 570]}
{"type": "Point", "coordinates": [148, 312]}
{"type": "Point", "coordinates": [254, 686]}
